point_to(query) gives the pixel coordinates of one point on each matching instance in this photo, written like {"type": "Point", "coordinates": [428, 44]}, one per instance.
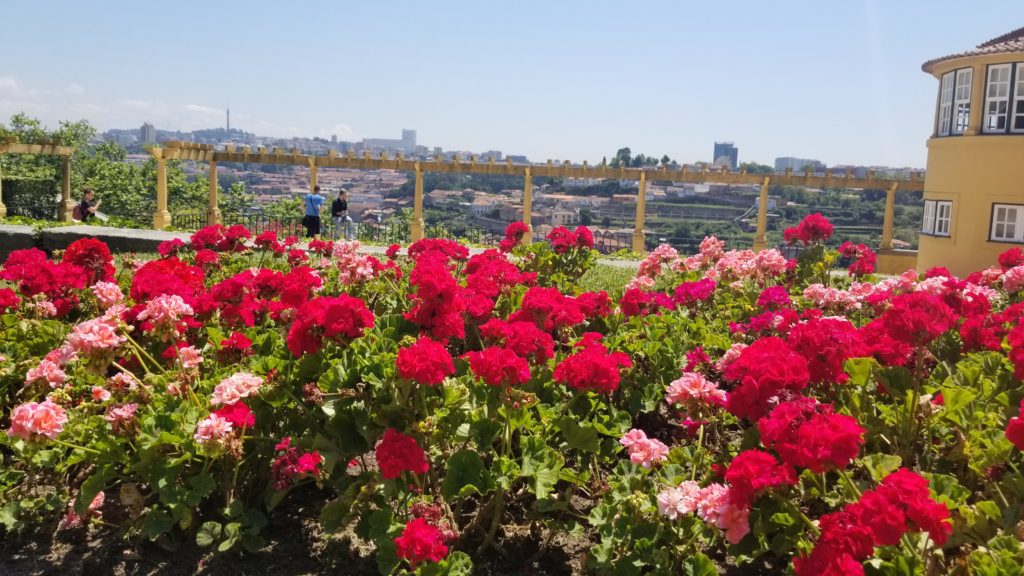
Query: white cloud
{"type": "Point", "coordinates": [9, 85]}
{"type": "Point", "coordinates": [75, 89]}
{"type": "Point", "coordinates": [343, 131]}
{"type": "Point", "coordinates": [203, 109]}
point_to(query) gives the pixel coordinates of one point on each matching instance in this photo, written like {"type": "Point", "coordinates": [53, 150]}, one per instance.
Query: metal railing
{"type": "Point", "coordinates": [384, 232]}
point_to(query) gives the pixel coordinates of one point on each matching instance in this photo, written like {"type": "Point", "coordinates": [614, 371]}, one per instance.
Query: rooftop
{"type": "Point", "coordinates": [1009, 42]}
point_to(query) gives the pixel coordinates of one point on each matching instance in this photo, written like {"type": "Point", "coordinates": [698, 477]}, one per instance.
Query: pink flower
{"type": "Point", "coordinates": [1013, 279]}
{"type": "Point", "coordinates": [44, 308]}
{"type": "Point", "coordinates": [643, 450]}
{"type": "Point", "coordinates": [122, 413]}
{"type": "Point", "coordinates": [213, 431]}
{"type": "Point", "coordinates": [190, 357]}
{"type": "Point", "coordinates": [96, 339]}
{"type": "Point", "coordinates": [32, 420]}
{"type": "Point", "coordinates": [693, 387]}
{"type": "Point", "coordinates": [107, 294]}
{"type": "Point", "coordinates": [100, 394]}
{"type": "Point", "coordinates": [235, 387]}
{"type": "Point", "coordinates": [730, 355]}
{"type": "Point", "coordinates": [163, 314]}
{"type": "Point", "coordinates": [715, 508]}
{"type": "Point", "coordinates": [679, 500]}
{"type": "Point", "coordinates": [48, 370]}
{"type": "Point", "coordinates": [72, 520]}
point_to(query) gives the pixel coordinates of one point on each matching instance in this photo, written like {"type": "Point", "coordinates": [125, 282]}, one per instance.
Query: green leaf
{"type": "Point", "coordinates": [157, 522]}
{"type": "Point", "coordinates": [90, 488]}
{"type": "Point", "coordinates": [699, 565]}
{"type": "Point", "coordinates": [232, 532]}
{"type": "Point", "coordinates": [956, 400]}
{"type": "Point", "coordinates": [202, 486]}
{"type": "Point", "coordinates": [577, 436]}
{"type": "Point", "coordinates": [881, 465]}
{"type": "Point", "coordinates": [208, 533]}
{"type": "Point", "coordinates": [464, 475]}
{"type": "Point", "coordinates": [541, 463]}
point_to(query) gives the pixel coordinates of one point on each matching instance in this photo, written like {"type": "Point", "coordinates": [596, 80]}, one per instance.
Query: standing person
{"type": "Point", "coordinates": [339, 212]}
{"type": "Point", "coordinates": [87, 208]}
{"type": "Point", "coordinates": [312, 219]}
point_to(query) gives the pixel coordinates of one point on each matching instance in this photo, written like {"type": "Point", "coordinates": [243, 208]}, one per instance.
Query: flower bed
{"type": "Point", "coordinates": [729, 408]}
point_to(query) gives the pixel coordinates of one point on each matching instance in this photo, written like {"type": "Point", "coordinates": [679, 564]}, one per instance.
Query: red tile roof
{"type": "Point", "coordinates": [1009, 42]}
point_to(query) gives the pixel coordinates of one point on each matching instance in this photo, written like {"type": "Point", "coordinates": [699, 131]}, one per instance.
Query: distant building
{"type": "Point", "coordinates": [147, 134]}
{"type": "Point", "coordinates": [727, 152]}
{"type": "Point", "coordinates": [491, 155]}
{"type": "Point", "coordinates": [797, 164]}
{"type": "Point", "coordinates": [406, 144]}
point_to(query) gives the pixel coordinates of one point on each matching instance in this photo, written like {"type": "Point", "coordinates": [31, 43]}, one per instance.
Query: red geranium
{"type": "Point", "coordinates": [826, 344]}
{"type": "Point", "coordinates": [754, 472]}
{"type": "Point", "coordinates": [397, 453]}
{"type": "Point", "coordinates": [425, 362]}
{"type": "Point", "coordinates": [337, 319]}
{"type": "Point", "coordinates": [1015, 428]}
{"type": "Point", "coordinates": [421, 542]}
{"type": "Point", "coordinates": [36, 274]}
{"type": "Point", "coordinates": [693, 293]}
{"type": "Point", "coordinates": [562, 239]}
{"type": "Point", "coordinates": [523, 338]}
{"type": "Point", "coordinates": [498, 366]}
{"type": "Point", "coordinates": [813, 228]}
{"type": "Point", "coordinates": [514, 233]}
{"type": "Point", "coordinates": [807, 434]}
{"type": "Point", "coordinates": [917, 318]}
{"type": "Point", "coordinates": [8, 299]}
{"type": "Point", "coordinates": [1011, 258]}
{"type": "Point", "coordinates": [167, 276]}
{"type": "Point", "coordinates": [592, 368]}
{"type": "Point", "coordinates": [584, 237]}
{"type": "Point", "coordinates": [767, 369]}
{"type": "Point", "coordinates": [549, 309]}
{"type": "Point", "coordinates": [94, 257]}
{"type": "Point", "coordinates": [238, 414]}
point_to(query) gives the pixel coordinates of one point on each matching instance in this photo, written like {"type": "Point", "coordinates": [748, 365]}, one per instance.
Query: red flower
{"type": "Point", "coordinates": [692, 293]}
{"type": "Point", "coordinates": [809, 435]}
{"type": "Point", "coordinates": [752, 473]}
{"type": "Point", "coordinates": [774, 298]}
{"type": "Point", "coordinates": [813, 228]}
{"type": "Point", "coordinates": [335, 319]}
{"type": "Point", "coordinates": [94, 257]}
{"type": "Point", "coordinates": [863, 259]}
{"type": "Point", "coordinates": [8, 300]}
{"type": "Point", "coordinates": [549, 309]}
{"type": "Point", "coordinates": [826, 344]}
{"type": "Point", "coordinates": [638, 302]}
{"type": "Point", "coordinates": [170, 247]}
{"type": "Point", "coordinates": [562, 239]}
{"type": "Point", "coordinates": [595, 304]}
{"type": "Point", "coordinates": [514, 233]}
{"type": "Point", "coordinates": [1015, 429]}
{"type": "Point", "coordinates": [766, 369]}
{"type": "Point", "coordinates": [268, 241]}
{"type": "Point", "coordinates": [917, 318]}
{"type": "Point", "coordinates": [235, 346]}
{"type": "Point", "coordinates": [593, 368]}
{"type": "Point", "coordinates": [584, 237]}
{"type": "Point", "coordinates": [439, 300]}
{"type": "Point", "coordinates": [36, 274]}
{"type": "Point", "coordinates": [167, 276]}
{"type": "Point", "coordinates": [392, 251]}
{"type": "Point", "coordinates": [425, 362]}
{"type": "Point", "coordinates": [1011, 258]}
{"type": "Point", "coordinates": [397, 453]}
{"type": "Point", "coordinates": [450, 249]}
{"type": "Point", "coordinates": [523, 338]}
{"type": "Point", "coordinates": [238, 414]}
{"type": "Point", "coordinates": [499, 366]}
{"type": "Point", "coordinates": [421, 542]}
{"type": "Point", "coordinates": [292, 464]}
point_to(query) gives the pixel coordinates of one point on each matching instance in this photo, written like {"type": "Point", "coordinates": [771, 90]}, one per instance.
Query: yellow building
{"type": "Point", "coordinates": [974, 184]}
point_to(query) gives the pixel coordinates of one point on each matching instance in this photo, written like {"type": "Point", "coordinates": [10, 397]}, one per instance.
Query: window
{"type": "Point", "coordinates": [997, 98]}
{"type": "Point", "coordinates": [1018, 100]}
{"type": "Point", "coordinates": [928, 224]}
{"type": "Point", "coordinates": [945, 102]}
{"type": "Point", "coordinates": [1007, 223]}
{"type": "Point", "coordinates": [937, 218]}
{"type": "Point", "coordinates": [962, 100]}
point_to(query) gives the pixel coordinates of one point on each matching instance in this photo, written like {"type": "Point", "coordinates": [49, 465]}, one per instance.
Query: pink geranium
{"type": "Point", "coordinates": [213, 431]}
{"type": "Point", "coordinates": [692, 388]}
{"type": "Point", "coordinates": [643, 450]}
{"type": "Point", "coordinates": [235, 387]}
{"type": "Point", "coordinates": [36, 420]}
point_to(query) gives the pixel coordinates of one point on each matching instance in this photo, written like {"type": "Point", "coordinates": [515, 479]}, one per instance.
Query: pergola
{"type": "Point", "coordinates": [206, 153]}
{"type": "Point", "coordinates": [50, 147]}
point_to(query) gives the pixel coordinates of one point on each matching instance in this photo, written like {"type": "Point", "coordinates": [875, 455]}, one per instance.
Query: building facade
{"type": "Point", "coordinates": [147, 134]}
{"type": "Point", "coordinates": [727, 154]}
{"type": "Point", "coordinates": [974, 183]}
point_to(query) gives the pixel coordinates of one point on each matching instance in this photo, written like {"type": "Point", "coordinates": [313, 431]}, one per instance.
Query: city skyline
{"type": "Point", "coordinates": [839, 83]}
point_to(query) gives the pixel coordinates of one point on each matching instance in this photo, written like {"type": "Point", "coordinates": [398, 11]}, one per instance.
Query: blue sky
{"type": "Point", "coordinates": [837, 80]}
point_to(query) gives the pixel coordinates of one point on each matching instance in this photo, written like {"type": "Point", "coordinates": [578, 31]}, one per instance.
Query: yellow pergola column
{"type": "Point", "coordinates": [161, 217]}
{"type": "Point", "coordinates": [312, 174]}
{"type": "Point", "coordinates": [761, 236]}
{"type": "Point", "coordinates": [639, 242]}
{"type": "Point", "coordinates": [213, 212]}
{"type": "Point", "coordinates": [67, 205]}
{"type": "Point", "coordinates": [416, 226]}
{"type": "Point", "coordinates": [528, 205]}
{"type": "Point", "coordinates": [889, 219]}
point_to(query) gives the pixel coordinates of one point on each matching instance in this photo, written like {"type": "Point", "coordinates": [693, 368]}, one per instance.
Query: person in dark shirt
{"type": "Point", "coordinates": [339, 212]}
{"type": "Point", "coordinates": [88, 206]}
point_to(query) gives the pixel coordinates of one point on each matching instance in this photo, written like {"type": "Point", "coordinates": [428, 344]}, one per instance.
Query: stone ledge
{"type": "Point", "coordinates": [118, 239]}
{"type": "Point", "coordinates": [15, 237]}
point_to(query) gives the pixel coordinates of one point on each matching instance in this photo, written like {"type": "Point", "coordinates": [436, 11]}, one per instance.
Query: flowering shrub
{"type": "Point", "coordinates": [727, 408]}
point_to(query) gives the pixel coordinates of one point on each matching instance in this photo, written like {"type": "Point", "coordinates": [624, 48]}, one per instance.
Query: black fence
{"type": "Point", "coordinates": [384, 232]}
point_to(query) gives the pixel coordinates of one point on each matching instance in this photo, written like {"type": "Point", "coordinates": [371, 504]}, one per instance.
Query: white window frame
{"type": "Point", "coordinates": [945, 103]}
{"type": "Point", "coordinates": [928, 221]}
{"type": "Point", "coordinates": [1017, 102]}
{"type": "Point", "coordinates": [962, 100]}
{"type": "Point", "coordinates": [943, 218]}
{"type": "Point", "coordinates": [997, 98]}
{"type": "Point", "coordinates": [1006, 215]}
{"type": "Point", "coordinates": [937, 219]}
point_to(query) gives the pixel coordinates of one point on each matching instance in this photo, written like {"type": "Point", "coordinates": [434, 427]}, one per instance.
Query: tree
{"type": "Point", "coordinates": [755, 168]}
{"type": "Point", "coordinates": [586, 217]}
{"type": "Point", "coordinates": [665, 160]}
{"type": "Point", "coordinates": [622, 158]}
